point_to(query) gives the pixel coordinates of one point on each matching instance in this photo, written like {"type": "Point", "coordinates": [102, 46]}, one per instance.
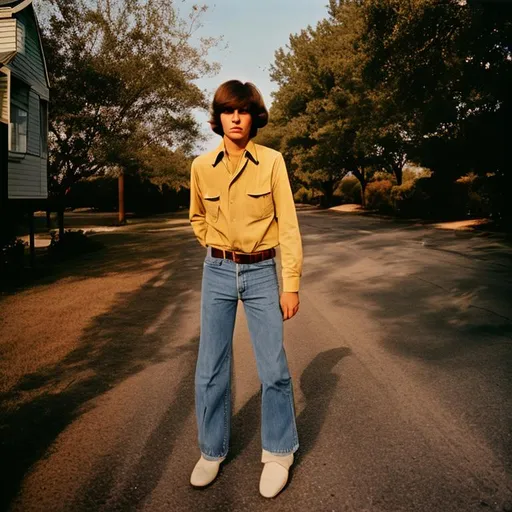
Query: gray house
{"type": "Point", "coordinates": [24, 94]}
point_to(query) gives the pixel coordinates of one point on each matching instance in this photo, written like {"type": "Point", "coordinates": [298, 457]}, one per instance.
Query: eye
{"type": "Point", "coordinates": [243, 111]}
{"type": "Point", "coordinates": [228, 110]}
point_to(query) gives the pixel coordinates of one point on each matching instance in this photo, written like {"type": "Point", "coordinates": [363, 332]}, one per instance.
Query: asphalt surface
{"type": "Point", "coordinates": [401, 358]}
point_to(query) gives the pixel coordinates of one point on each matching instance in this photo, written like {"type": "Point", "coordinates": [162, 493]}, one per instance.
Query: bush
{"type": "Point", "coordinates": [12, 257]}
{"type": "Point", "coordinates": [413, 198]}
{"type": "Point", "coordinates": [378, 196]}
{"type": "Point", "coordinates": [141, 196]}
{"type": "Point", "coordinates": [475, 191]}
{"type": "Point", "coordinates": [415, 173]}
{"type": "Point", "coordinates": [384, 176]}
{"type": "Point", "coordinates": [303, 195]}
{"type": "Point", "coordinates": [72, 244]}
{"type": "Point", "coordinates": [349, 190]}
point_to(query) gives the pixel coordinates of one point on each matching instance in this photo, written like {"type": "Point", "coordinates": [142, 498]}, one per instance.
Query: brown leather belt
{"type": "Point", "coordinates": [244, 258]}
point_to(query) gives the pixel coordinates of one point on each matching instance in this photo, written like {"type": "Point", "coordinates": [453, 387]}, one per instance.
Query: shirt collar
{"type": "Point", "coordinates": [250, 153]}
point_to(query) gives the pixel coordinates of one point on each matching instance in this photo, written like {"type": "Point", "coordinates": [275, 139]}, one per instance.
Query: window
{"type": "Point", "coordinates": [19, 128]}
{"type": "Point", "coordinates": [43, 126]}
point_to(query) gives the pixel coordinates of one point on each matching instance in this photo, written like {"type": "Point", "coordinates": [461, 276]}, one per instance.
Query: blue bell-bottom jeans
{"type": "Point", "coordinates": [224, 284]}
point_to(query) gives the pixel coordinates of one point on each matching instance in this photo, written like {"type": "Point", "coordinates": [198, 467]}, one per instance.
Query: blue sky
{"type": "Point", "coordinates": [252, 30]}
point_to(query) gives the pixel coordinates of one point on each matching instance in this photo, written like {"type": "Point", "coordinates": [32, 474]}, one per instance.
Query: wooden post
{"type": "Point", "coordinates": [60, 216]}
{"type": "Point", "coordinates": [122, 215]}
{"type": "Point", "coordinates": [32, 238]}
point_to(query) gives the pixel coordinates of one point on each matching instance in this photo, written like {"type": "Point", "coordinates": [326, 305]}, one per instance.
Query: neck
{"type": "Point", "coordinates": [235, 148]}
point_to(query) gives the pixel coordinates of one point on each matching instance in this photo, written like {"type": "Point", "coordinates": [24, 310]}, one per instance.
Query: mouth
{"type": "Point", "coordinates": [236, 129]}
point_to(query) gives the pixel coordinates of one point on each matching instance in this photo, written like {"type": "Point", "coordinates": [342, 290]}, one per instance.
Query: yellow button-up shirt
{"type": "Point", "coordinates": [249, 210]}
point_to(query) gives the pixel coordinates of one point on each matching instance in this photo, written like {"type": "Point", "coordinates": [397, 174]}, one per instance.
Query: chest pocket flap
{"type": "Point", "coordinates": [211, 200]}
{"type": "Point", "coordinates": [259, 201]}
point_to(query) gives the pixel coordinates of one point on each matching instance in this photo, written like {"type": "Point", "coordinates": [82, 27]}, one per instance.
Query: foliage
{"type": "Point", "coordinates": [378, 196]}
{"type": "Point", "coordinates": [73, 243]}
{"type": "Point", "coordinates": [12, 256]}
{"type": "Point", "coordinates": [447, 66]}
{"type": "Point", "coordinates": [304, 195]}
{"type": "Point", "coordinates": [334, 122]}
{"type": "Point", "coordinates": [142, 196]}
{"type": "Point", "coordinates": [379, 83]}
{"type": "Point", "coordinates": [122, 75]}
{"type": "Point", "coordinates": [413, 199]}
{"type": "Point", "coordinates": [349, 190]}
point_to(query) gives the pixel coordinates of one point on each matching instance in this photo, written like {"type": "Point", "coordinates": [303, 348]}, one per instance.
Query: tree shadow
{"type": "Point", "coordinates": [135, 247]}
{"type": "Point", "coordinates": [318, 384]}
{"type": "Point", "coordinates": [147, 473]}
{"type": "Point", "coordinates": [133, 334]}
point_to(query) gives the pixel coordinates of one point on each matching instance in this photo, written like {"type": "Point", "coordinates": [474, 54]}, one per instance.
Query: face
{"type": "Point", "coordinates": [236, 124]}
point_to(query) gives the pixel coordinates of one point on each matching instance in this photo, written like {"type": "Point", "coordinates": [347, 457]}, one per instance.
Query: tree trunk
{"type": "Point", "coordinates": [362, 180]}
{"type": "Point", "coordinates": [60, 217]}
{"type": "Point", "coordinates": [32, 238]}
{"type": "Point", "coordinates": [328, 187]}
{"type": "Point", "coordinates": [398, 172]}
{"type": "Point", "coordinates": [122, 214]}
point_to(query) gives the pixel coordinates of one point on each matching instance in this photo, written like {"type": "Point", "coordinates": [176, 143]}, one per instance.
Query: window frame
{"type": "Point", "coordinates": [12, 127]}
{"type": "Point", "coordinates": [43, 128]}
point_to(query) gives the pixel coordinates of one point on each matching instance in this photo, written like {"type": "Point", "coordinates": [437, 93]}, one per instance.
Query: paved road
{"type": "Point", "coordinates": [401, 357]}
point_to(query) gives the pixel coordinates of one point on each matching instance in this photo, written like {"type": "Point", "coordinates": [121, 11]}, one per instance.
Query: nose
{"type": "Point", "coordinates": [236, 116]}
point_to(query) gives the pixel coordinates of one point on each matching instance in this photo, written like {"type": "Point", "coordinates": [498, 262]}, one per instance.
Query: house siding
{"type": "Point", "coordinates": [26, 179]}
{"type": "Point", "coordinates": [20, 94]}
{"type": "Point", "coordinates": [27, 176]}
{"type": "Point", "coordinates": [29, 65]}
{"type": "Point", "coordinates": [34, 139]}
{"type": "Point", "coordinates": [7, 35]}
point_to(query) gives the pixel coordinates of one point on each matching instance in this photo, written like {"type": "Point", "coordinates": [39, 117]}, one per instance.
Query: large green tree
{"type": "Point", "coordinates": [122, 75]}
{"type": "Point", "coordinates": [447, 69]}
{"type": "Point", "coordinates": [335, 123]}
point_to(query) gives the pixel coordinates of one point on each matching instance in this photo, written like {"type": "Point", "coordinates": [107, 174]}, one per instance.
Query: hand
{"type": "Point", "coordinates": [289, 304]}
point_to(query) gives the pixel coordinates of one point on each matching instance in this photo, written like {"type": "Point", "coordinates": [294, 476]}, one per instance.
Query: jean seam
{"type": "Point", "coordinates": [226, 397]}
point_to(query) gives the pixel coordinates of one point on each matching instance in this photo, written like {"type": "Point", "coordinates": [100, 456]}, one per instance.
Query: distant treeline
{"type": "Point", "coordinates": [381, 84]}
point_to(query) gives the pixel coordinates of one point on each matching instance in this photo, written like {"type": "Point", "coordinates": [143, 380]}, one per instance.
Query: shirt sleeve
{"type": "Point", "coordinates": [197, 213]}
{"type": "Point", "coordinates": [288, 225]}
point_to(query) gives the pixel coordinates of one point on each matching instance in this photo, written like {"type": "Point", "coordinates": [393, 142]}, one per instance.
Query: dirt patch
{"type": "Point", "coordinates": [464, 225]}
{"type": "Point", "coordinates": [347, 208]}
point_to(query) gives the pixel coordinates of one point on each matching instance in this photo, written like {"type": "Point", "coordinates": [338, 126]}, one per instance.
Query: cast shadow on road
{"type": "Point", "coordinates": [318, 384]}
{"type": "Point", "coordinates": [117, 344]}
{"type": "Point", "coordinates": [122, 252]}
{"type": "Point", "coordinates": [144, 477]}
{"type": "Point", "coordinates": [434, 307]}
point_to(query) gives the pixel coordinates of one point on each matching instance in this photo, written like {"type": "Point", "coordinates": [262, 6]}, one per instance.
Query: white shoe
{"type": "Point", "coordinates": [204, 472]}
{"type": "Point", "coordinates": [275, 473]}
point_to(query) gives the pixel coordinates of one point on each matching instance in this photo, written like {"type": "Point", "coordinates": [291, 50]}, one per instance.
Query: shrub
{"type": "Point", "coordinates": [12, 257]}
{"type": "Point", "coordinates": [303, 195]}
{"type": "Point", "coordinates": [412, 173]}
{"type": "Point", "coordinates": [413, 198]}
{"type": "Point", "coordinates": [378, 196]}
{"type": "Point", "coordinates": [350, 190]}
{"type": "Point", "coordinates": [72, 244]}
{"type": "Point", "coordinates": [477, 198]}
{"type": "Point", "coordinates": [141, 196]}
{"type": "Point", "coordinates": [383, 176]}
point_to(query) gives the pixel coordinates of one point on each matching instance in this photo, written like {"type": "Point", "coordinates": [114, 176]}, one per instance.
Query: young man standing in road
{"type": "Point", "coordinates": [241, 208]}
